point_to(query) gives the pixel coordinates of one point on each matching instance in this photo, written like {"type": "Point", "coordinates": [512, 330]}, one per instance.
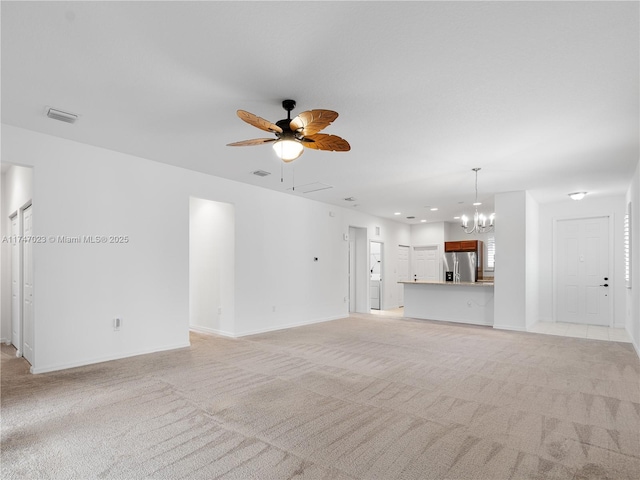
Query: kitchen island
{"type": "Point", "coordinates": [461, 302]}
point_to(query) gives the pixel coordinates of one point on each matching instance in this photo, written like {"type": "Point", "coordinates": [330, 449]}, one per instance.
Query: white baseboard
{"type": "Point", "coordinates": [509, 327]}
{"type": "Point", "coordinates": [635, 345]}
{"type": "Point", "coordinates": [211, 331]}
{"type": "Point", "coordinates": [5, 340]}
{"type": "Point", "coordinates": [290, 325]}
{"type": "Point", "coordinates": [106, 358]}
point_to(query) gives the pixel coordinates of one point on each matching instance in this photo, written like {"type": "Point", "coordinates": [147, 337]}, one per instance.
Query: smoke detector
{"type": "Point", "coordinates": [62, 116]}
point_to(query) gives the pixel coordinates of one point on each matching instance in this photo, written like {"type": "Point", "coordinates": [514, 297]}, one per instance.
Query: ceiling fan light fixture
{"type": "Point", "coordinates": [288, 150]}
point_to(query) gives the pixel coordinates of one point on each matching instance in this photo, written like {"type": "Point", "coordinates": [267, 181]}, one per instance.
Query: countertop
{"type": "Point", "coordinates": [463, 284]}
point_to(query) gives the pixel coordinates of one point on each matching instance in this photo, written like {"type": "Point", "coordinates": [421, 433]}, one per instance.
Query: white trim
{"type": "Point", "coordinates": [211, 331]}
{"type": "Point", "coordinates": [509, 327]}
{"type": "Point", "coordinates": [611, 262]}
{"type": "Point", "coordinates": [291, 325]}
{"type": "Point", "coordinates": [106, 358]}
{"type": "Point", "coordinates": [6, 341]}
{"type": "Point", "coordinates": [636, 347]}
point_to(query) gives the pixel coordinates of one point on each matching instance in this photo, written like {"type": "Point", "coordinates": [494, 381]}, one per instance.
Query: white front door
{"type": "Point", "coordinates": [403, 271]}
{"type": "Point", "coordinates": [16, 298]}
{"type": "Point", "coordinates": [583, 280]}
{"type": "Point", "coordinates": [27, 289]}
{"type": "Point", "coordinates": [426, 267]}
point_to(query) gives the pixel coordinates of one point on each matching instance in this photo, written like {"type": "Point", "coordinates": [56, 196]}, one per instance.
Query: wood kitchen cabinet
{"type": "Point", "coordinates": [452, 246]}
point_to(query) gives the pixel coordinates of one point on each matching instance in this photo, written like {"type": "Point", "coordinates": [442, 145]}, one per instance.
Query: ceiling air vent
{"type": "Point", "coordinates": [261, 173]}
{"type": "Point", "coordinates": [62, 116]}
{"type": "Point", "coordinates": [349, 199]}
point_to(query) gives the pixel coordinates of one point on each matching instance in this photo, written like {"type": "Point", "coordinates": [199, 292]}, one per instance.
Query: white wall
{"type": "Point", "coordinates": [510, 270]}
{"type": "Point", "coordinates": [590, 206]}
{"type": "Point", "coordinates": [532, 276]}
{"type": "Point", "coordinates": [17, 191]}
{"type": "Point", "coordinates": [211, 266]}
{"type": "Point", "coordinates": [632, 295]}
{"type": "Point", "coordinates": [79, 289]}
{"type": "Point", "coordinates": [424, 234]}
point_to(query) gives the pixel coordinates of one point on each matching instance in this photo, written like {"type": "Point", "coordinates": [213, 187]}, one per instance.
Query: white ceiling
{"type": "Point", "coordinates": [543, 96]}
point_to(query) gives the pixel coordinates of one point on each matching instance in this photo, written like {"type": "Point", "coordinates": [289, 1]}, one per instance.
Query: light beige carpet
{"type": "Point", "coordinates": [366, 397]}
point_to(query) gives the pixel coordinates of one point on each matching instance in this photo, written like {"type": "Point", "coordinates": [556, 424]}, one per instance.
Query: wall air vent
{"type": "Point", "coordinates": [261, 173]}
{"type": "Point", "coordinates": [62, 116]}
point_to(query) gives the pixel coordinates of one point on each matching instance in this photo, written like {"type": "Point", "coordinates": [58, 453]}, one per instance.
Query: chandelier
{"type": "Point", "coordinates": [479, 219]}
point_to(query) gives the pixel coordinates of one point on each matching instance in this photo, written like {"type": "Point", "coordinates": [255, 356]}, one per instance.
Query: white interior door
{"type": "Point", "coordinates": [27, 288]}
{"type": "Point", "coordinates": [403, 271]}
{"type": "Point", "coordinates": [16, 297]}
{"type": "Point", "coordinates": [427, 263]}
{"type": "Point", "coordinates": [583, 281]}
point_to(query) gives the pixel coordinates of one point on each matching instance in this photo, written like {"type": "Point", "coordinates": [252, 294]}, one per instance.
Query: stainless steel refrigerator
{"type": "Point", "coordinates": [462, 265]}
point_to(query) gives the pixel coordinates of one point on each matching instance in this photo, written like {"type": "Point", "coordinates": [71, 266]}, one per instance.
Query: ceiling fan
{"type": "Point", "coordinates": [293, 135]}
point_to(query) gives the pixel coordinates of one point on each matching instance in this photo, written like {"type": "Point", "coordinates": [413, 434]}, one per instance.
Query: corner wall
{"type": "Point", "coordinates": [632, 295]}
{"type": "Point", "coordinates": [510, 289]}
{"type": "Point", "coordinates": [81, 190]}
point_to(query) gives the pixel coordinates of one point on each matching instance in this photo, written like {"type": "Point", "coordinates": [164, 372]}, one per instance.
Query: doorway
{"type": "Point", "coordinates": [211, 266]}
{"type": "Point", "coordinates": [583, 292]}
{"type": "Point", "coordinates": [375, 274]}
{"type": "Point", "coordinates": [22, 320]}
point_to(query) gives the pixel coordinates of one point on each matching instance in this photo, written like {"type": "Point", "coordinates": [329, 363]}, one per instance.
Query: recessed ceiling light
{"type": "Point", "coordinates": [434, 209]}
{"type": "Point", "coordinates": [398, 213]}
{"type": "Point", "coordinates": [456, 218]}
{"type": "Point", "coordinates": [477, 204]}
{"type": "Point", "coordinates": [423, 221]}
{"type": "Point", "coordinates": [577, 195]}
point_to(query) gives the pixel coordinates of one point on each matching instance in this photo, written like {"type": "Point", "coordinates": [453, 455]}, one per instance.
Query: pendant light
{"type": "Point", "coordinates": [479, 219]}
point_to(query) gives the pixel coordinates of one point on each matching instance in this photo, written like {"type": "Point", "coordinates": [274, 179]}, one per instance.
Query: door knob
{"type": "Point", "coordinates": [605, 285]}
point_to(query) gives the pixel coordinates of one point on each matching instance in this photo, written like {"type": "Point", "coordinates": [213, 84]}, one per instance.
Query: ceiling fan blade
{"type": "Point", "coordinates": [249, 143]}
{"type": "Point", "coordinates": [312, 121]}
{"type": "Point", "coordinates": [322, 141]}
{"type": "Point", "coordinates": [258, 122]}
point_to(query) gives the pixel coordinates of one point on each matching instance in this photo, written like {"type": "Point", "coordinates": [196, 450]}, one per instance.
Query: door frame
{"type": "Point", "coordinates": [610, 257]}
{"type": "Point", "coordinates": [17, 318]}
{"type": "Point", "coordinates": [380, 282]}
{"type": "Point", "coordinates": [19, 215]}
